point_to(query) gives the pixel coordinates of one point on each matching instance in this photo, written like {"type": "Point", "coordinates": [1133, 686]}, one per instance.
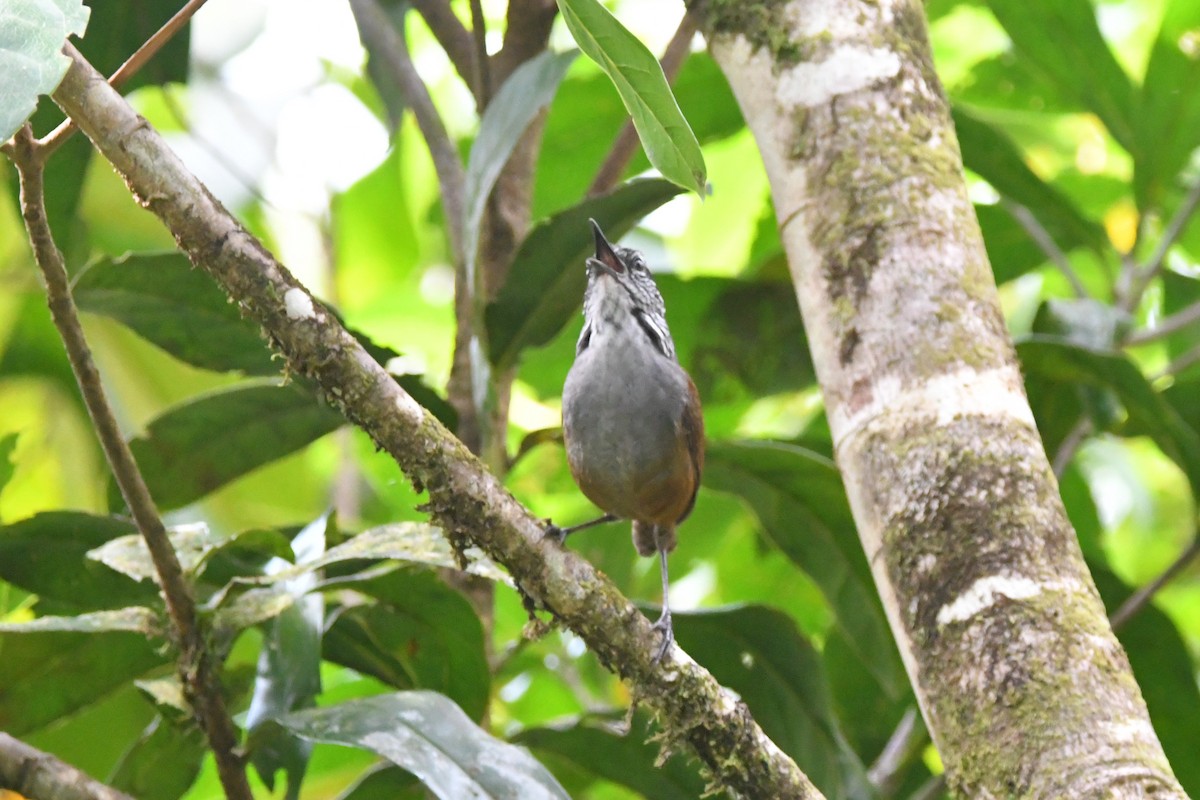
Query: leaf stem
{"type": "Point", "coordinates": [197, 671]}
{"type": "Point", "coordinates": [1046, 243]}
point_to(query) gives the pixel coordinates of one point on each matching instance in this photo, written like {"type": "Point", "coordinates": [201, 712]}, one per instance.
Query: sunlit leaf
{"type": "Point", "coordinates": [431, 737]}
{"type": "Point", "coordinates": [31, 58]}
{"type": "Point", "coordinates": [633, 69]}
{"type": "Point", "coordinates": [204, 443]}
{"type": "Point", "coordinates": [546, 281]}
{"type": "Point", "coordinates": [134, 619]}
{"type": "Point", "coordinates": [759, 653]}
{"type": "Point", "coordinates": [799, 498]}
{"type": "Point", "coordinates": [8, 445]}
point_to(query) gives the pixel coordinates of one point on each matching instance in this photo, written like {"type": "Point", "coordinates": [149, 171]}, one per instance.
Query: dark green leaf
{"type": "Point", "coordinates": [625, 758]}
{"type": "Point", "coordinates": [759, 653]}
{"type": "Point", "coordinates": [1166, 675]}
{"type": "Point", "coordinates": [1010, 250]}
{"type": "Point", "coordinates": [432, 738]}
{"type": "Point", "coordinates": [8, 445]}
{"type": "Point", "coordinates": [420, 635]}
{"type": "Point", "coordinates": [163, 763]}
{"type": "Point", "coordinates": [289, 669]}
{"type": "Point", "coordinates": [633, 69]}
{"type": "Point", "coordinates": [867, 715]}
{"type": "Point", "coordinates": [1081, 510]}
{"type": "Point", "coordinates": [47, 555]}
{"type": "Point", "coordinates": [1169, 112]}
{"type": "Point", "coordinates": [48, 676]}
{"type": "Point", "coordinates": [546, 281]}
{"type": "Point", "coordinates": [203, 444]}
{"type": "Point", "coordinates": [31, 58]}
{"type": "Point", "coordinates": [997, 160]}
{"type": "Point", "coordinates": [1075, 59]}
{"type": "Point", "coordinates": [244, 554]}
{"type": "Point", "coordinates": [178, 308]}
{"type": "Point", "coordinates": [385, 782]}
{"type": "Point", "coordinates": [799, 498]}
{"type": "Point", "coordinates": [1059, 366]}
{"type": "Point", "coordinates": [527, 91]}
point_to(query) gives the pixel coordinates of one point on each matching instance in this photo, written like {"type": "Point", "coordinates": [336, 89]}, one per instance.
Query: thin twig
{"type": "Point", "coordinates": [452, 35]}
{"type": "Point", "coordinates": [1070, 444]}
{"type": "Point", "coordinates": [135, 62]}
{"type": "Point", "coordinates": [1176, 322]}
{"type": "Point", "coordinates": [1045, 242]}
{"type": "Point", "coordinates": [382, 39]}
{"type": "Point", "coordinates": [1142, 597]}
{"type": "Point", "coordinates": [906, 741]}
{"type": "Point", "coordinates": [1185, 360]}
{"type": "Point", "coordinates": [483, 69]}
{"type": "Point", "coordinates": [1142, 278]}
{"type": "Point", "coordinates": [200, 681]}
{"type": "Point", "coordinates": [625, 145]}
{"type": "Point", "coordinates": [31, 773]}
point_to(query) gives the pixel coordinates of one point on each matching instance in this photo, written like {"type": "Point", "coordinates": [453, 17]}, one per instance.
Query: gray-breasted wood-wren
{"type": "Point", "coordinates": [631, 414]}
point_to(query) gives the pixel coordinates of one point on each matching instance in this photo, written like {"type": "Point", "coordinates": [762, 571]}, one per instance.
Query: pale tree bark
{"type": "Point", "coordinates": [1024, 687]}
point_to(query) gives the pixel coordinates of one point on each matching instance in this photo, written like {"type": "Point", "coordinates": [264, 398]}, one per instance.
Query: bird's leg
{"type": "Point", "coordinates": [561, 534]}
{"type": "Point", "coordinates": [663, 623]}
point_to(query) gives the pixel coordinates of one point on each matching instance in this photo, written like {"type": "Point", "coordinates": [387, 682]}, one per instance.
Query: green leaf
{"type": "Point", "coordinates": [47, 555]}
{"type": "Point", "coordinates": [432, 738]}
{"type": "Point", "coordinates": [1085, 322]}
{"type": "Point", "coordinates": [163, 299]}
{"type": "Point", "coordinates": [1166, 674]}
{"type": "Point", "coordinates": [134, 619]}
{"type": "Point", "coordinates": [759, 653]}
{"type": "Point", "coordinates": [527, 91]}
{"type": "Point", "coordinates": [421, 634]}
{"type": "Point", "coordinates": [203, 444]}
{"type": "Point", "coordinates": [998, 161]}
{"type": "Point", "coordinates": [1059, 365]}
{"type": "Point", "coordinates": [385, 782]}
{"type": "Point", "coordinates": [628, 759]}
{"type": "Point", "coordinates": [1076, 59]}
{"type": "Point", "coordinates": [1169, 112]}
{"type": "Point", "coordinates": [633, 69]}
{"type": "Point", "coordinates": [289, 668]}
{"type": "Point", "coordinates": [130, 556]}
{"type": "Point", "coordinates": [163, 763]}
{"type": "Point", "coordinates": [32, 33]}
{"type": "Point", "coordinates": [546, 281]}
{"type": "Point", "coordinates": [49, 676]}
{"type": "Point", "coordinates": [8, 445]}
{"type": "Point", "coordinates": [799, 498]}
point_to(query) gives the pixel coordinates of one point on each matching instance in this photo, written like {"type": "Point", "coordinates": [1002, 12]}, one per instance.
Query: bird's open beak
{"type": "Point", "coordinates": [606, 259]}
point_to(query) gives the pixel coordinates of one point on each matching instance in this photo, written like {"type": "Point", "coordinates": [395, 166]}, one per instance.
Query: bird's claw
{"type": "Point", "coordinates": [663, 625]}
{"type": "Point", "coordinates": [554, 532]}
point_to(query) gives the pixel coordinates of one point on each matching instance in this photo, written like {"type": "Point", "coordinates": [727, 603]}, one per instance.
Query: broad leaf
{"type": "Point", "coordinates": [799, 498]}
{"type": "Point", "coordinates": [8, 446]}
{"type": "Point", "coordinates": [998, 161]}
{"type": "Point", "coordinates": [134, 619]}
{"type": "Point", "coordinates": [289, 667]}
{"type": "Point", "coordinates": [46, 555]}
{"type": "Point", "coordinates": [432, 738]}
{"type": "Point", "coordinates": [759, 653]}
{"type": "Point", "coordinates": [163, 763]}
{"type": "Point", "coordinates": [420, 634]}
{"type": "Point", "coordinates": [32, 33]}
{"type": "Point", "coordinates": [668, 140]}
{"type": "Point", "coordinates": [1076, 59]}
{"type": "Point", "coordinates": [627, 758]}
{"type": "Point", "coordinates": [546, 281]}
{"type": "Point", "coordinates": [203, 444]}
{"type": "Point", "coordinates": [1169, 112]}
{"type": "Point", "coordinates": [527, 91]}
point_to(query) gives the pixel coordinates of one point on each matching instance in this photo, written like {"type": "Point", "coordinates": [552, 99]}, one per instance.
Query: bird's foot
{"type": "Point", "coordinates": [554, 532]}
{"type": "Point", "coordinates": [663, 625]}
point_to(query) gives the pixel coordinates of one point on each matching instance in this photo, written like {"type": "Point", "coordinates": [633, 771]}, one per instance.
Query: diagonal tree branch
{"type": "Point", "coordinates": [32, 773]}
{"type": "Point", "coordinates": [452, 35]}
{"type": "Point", "coordinates": [470, 503]}
{"type": "Point", "coordinates": [196, 669]}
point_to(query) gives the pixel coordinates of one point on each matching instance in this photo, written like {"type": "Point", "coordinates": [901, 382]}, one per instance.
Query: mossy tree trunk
{"type": "Point", "coordinates": [1023, 685]}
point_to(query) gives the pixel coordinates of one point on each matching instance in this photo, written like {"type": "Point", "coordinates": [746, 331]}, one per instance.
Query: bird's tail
{"type": "Point", "coordinates": [650, 538]}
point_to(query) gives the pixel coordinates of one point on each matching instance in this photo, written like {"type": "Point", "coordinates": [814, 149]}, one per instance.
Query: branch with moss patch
{"type": "Point", "coordinates": [31, 773]}
{"type": "Point", "coordinates": [465, 499]}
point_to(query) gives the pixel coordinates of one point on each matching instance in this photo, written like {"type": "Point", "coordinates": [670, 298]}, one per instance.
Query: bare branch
{"type": "Point", "coordinates": [483, 68]}
{"type": "Point", "coordinates": [1172, 324]}
{"type": "Point", "coordinates": [1070, 445]}
{"type": "Point", "coordinates": [625, 145]}
{"type": "Point", "coordinates": [452, 35]}
{"type": "Point", "coordinates": [31, 773]}
{"type": "Point", "coordinates": [905, 743]}
{"type": "Point", "coordinates": [1046, 243]}
{"type": "Point", "coordinates": [1141, 279]}
{"type": "Point", "coordinates": [526, 34]}
{"type": "Point", "coordinates": [135, 62]}
{"type": "Point", "coordinates": [1139, 599]}
{"type": "Point", "coordinates": [1185, 360]}
{"type": "Point", "coordinates": [200, 681]}
{"type": "Point", "coordinates": [470, 503]}
{"type": "Point", "coordinates": [382, 39]}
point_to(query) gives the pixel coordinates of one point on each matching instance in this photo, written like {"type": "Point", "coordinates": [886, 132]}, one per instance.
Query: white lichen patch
{"type": "Point", "coordinates": [1131, 730]}
{"type": "Point", "coordinates": [986, 592]}
{"type": "Point", "coordinates": [848, 68]}
{"type": "Point", "coordinates": [298, 304]}
{"type": "Point", "coordinates": [409, 408]}
{"type": "Point", "coordinates": [947, 397]}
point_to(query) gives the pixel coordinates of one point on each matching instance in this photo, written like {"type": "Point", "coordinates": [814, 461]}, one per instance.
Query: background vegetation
{"type": "Point", "coordinates": [1079, 146]}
